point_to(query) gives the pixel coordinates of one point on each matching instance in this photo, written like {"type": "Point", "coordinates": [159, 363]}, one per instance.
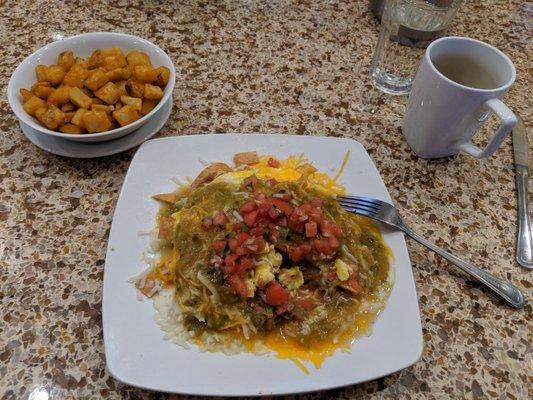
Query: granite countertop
{"type": "Point", "coordinates": [275, 66]}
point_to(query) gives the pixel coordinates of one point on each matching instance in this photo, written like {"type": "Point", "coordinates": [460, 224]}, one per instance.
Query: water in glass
{"type": "Point", "coordinates": [407, 28]}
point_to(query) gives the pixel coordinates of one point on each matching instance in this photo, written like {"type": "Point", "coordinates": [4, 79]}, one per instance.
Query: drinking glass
{"type": "Point", "coordinates": [407, 28]}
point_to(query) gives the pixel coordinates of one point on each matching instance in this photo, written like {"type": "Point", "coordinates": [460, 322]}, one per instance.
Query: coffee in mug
{"type": "Point", "coordinates": [457, 87]}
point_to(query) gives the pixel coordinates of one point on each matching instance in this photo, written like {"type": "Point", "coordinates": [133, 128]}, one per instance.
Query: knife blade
{"type": "Point", "coordinates": [524, 243]}
{"type": "Point", "coordinates": [520, 143]}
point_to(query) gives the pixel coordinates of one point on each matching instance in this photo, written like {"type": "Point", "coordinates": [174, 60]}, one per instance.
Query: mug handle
{"type": "Point", "coordinates": [507, 123]}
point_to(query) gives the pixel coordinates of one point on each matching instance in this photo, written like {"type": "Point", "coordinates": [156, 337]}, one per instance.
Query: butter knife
{"type": "Point", "coordinates": [524, 244]}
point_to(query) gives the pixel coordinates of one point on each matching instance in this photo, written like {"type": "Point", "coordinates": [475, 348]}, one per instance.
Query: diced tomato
{"type": "Point", "coordinates": [237, 284]}
{"type": "Point", "coordinates": [248, 207]}
{"type": "Point", "coordinates": [334, 242]}
{"type": "Point", "coordinates": [233, 244]}
{"type": "Point", "coordinates": [321, 245]}
{"type": "Point", "coordinates": [257, 231]}
{"type": "Point", "coordinates": [311, 229]}
{"type": "Point", "coordinates": [271, 183]}
{"type": "Point", "coordinates": [296, 253]}
{"type": "Point", "coordinates": [242, 237]}
{"type": "Point", "coordinates": [300, 215]}
{"type": "Point", "coordinates": [259, 197]}
{"type": "Point", "coordinates": [272, 162]}
{"type": "Point", "coordinates": [249, 218]}
{"type": "Point", "coordinates": [229, 263]}
{"type": "Point", "coordinates": [274, 213]}
{"type": "Point", "coordinates": [243, 264]}
{"type": "Point", "coordinates": [328, 228]}
{"type": "Point", "coordinates": [263, 209]}
{"type": "Point", "coordinates": [306, 248]}
{"type": "Point", "coordinates": [306, 304]}
{"type": "Point", "coordinates": [281, 221]}
{"type": "Point", "coordinates": [276, 295]}
{"type": "Point", "coordinates": [353, 285]}
{"type": "Point", "coordinates": [274, 234]}
{"type": "Point", "coordinates": [219, 246]}
{"type": "Point", "coordinates": [296, 226]}
{"type": "Point", "coordinates": [316, 203]}
{"type": "Point", "coordinates": [242, 250]}
{"type": "Point", "coordinates": [282, 205]}
{"type": "Point", "coordinates": [260, 243]}
{"type": "Point", "coordinates": [207, 223]}
{"type": "Point", "coordinates": [336, 230]}
{"type": "Point", "coordinates": [220, 218]}
{"type": "Point", "coordinates": [234, 227]}
{"type": "Point", "coordinates": [281, 309]}
{"type": "Point", "coordinates": [315, 215]}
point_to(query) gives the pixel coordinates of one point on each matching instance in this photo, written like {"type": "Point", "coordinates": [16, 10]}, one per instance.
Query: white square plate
{"type": "Point", "coordinates": [136, 352]}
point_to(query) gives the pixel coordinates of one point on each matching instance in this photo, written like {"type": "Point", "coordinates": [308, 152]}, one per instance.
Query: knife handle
{"type": "Point", "coordinates": [524, 245]}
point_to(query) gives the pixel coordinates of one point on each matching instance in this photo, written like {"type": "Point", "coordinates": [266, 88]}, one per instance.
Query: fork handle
{"type": "Point", "coordinates": [506, 290]}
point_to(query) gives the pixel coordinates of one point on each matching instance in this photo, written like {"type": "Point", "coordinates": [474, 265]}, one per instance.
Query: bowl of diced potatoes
{"type": "Point", "coordinates": [92, 87]}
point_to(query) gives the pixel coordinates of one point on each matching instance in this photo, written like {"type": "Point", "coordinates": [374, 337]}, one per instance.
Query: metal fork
{"type": "Point", "coordinates": [386, 213]}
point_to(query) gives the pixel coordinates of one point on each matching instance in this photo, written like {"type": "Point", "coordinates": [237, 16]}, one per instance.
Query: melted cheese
{"type": "Point", "coordinates": [316, 351]}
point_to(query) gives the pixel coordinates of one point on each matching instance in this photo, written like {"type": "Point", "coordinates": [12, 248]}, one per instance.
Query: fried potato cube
{"type": "Point", "coordinates": [82, 62]}
{"type": "Point", "coordinates": [114, 62]}
{"type": "Point", "coordinates": [96, 59]}
{"type": "Point", "coordinates": [76, 76]}
{"type": "Point", "coordinates": [126, 115]}
{"type": "Point", "coordinates": [96, 121]}
{"type": "Point", "coordinates": [118, 74]}
{"type": "Point", "coordinates": [96, 100]}
{"type": "Point", "coordinates": [68, 107]}
{"type": "Point", "coordinates": [40, 71]}
{"type": "Point", "coordinates": [42, 89]}
{"type": "Point", "coordinates": [134, 89]}
{"type": "Point", "coordinates": [69, 115]}
{"type": "Point", "coordinates": [145, 73]}
{"type": "Point", "coordinates": [25, 94]}
{"type": "Point", "coordinates": [33, 104]}
{"type": "Point", "coordinates": [39, 113]}
{"type": "Point", "coordinates": [71, 128]}
{"type": "Point", "coordinates": [53, 117]}
{"type": "Point", "coordinates": [108, 93]}
{"type": "Point", "coordinates": [66, 60]}
{"type": "Point", "coordinates": [122, 86]}
{"type": "Point", "coordinates": [118, 105]}
{"type": "Point", "coordinates": [136, 57]}
{"type": "Point", "coordinates": [79, 98]}
{"type": "Point", "coordinates": [135, 102]}
{"type": "Point", "coordinates": [96, 79]}
{"type": "Point", "coordinates": [163, 75]}
{"type": "Point", "coordinates": [102, 107]}
{"type": "Point", "coordinates": [152, 92]}
{"type": "Point", "coordinates": [112, 51]}
{"type": "Point", "coordinates": [54, 74]}
{"type": "Point", "coordinates": [77, 118]}
{"type": "Point", "coordinates": [148, 105]}
{"type": "Point", "coordinates": [59, 96]}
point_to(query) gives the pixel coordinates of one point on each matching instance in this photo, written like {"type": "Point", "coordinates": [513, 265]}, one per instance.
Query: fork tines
{"type": "Point", "coordinates": [360, 205]}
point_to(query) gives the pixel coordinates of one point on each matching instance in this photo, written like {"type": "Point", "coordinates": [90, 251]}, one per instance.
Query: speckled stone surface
{"type": "Point", "coordinates": [259, 66]}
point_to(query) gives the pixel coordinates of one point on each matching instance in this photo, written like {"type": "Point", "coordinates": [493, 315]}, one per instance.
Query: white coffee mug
{"type": "Point", "coordinates": [456, 89]}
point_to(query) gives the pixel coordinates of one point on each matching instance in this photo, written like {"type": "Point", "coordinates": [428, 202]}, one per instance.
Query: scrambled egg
{"type": "Point", "coordinates": [291, 278]}
{"type": "Point", "coordinates": [290, 170]}
{"type": "Point", "coordinates": [268, 265]}
{"type": "Point", "coordinates": [343, 270]}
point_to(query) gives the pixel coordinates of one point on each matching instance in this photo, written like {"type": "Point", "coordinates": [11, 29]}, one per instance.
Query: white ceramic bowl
{"type": "Point", "coordinates": [82, 46]}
